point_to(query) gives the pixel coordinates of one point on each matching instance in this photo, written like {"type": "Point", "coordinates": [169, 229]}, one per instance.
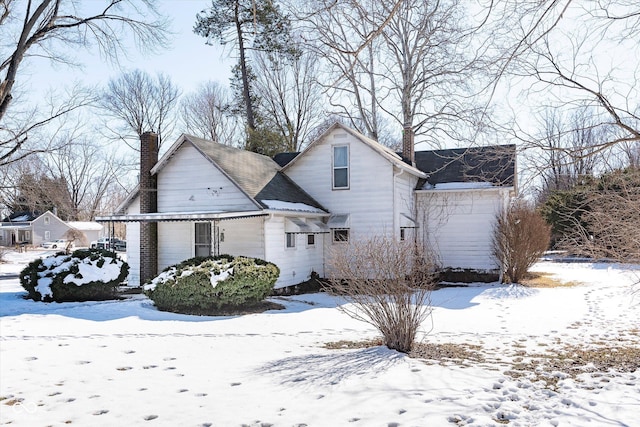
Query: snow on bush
{"type": "Point", "coordinates": [203, 285]}
{"type": "Point", "coordinates": [82, 276]}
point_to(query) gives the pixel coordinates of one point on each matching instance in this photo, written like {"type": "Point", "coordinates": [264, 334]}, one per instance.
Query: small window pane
{"type": "Point", "coordinates": [311, 239]}
{"type": "Point", "coordinates": [341, 235]}
{"type": "Point", "coordinates": [340, 157]}
{"type": "Point", "coordinates": [291, 240]}
{"type": "Point", "coordinates": [340, 178]}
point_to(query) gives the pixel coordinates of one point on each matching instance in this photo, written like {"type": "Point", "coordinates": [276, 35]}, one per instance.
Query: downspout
{"type": "Point", "coordinates": [395, 203]}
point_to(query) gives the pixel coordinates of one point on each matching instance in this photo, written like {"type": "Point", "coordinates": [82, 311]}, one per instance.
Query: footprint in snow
{"type": "Point", "coordinates": [182, 390]}
{"type": "Point", "coordinates": [129, 351]}
{"type": "Point", "coordinates": [30, 358]}
{"type": "Point", "coordinates": [235, 384]}
{"type": "Point", "coordinates": [124, 368]}
{"type": "Point", "coordinates": [150, 417]}
{"type": "Point", "coordinates": [166, 359]}
{"type": "Point", "coordinates": [83, 362]}
{"type": "Point", "coordinates": [101, 412]}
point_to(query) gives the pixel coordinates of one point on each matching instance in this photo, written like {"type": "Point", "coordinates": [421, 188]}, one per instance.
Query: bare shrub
{"type": "Point", "coordinates": [72, 235]}
{"type": "Point", "coordinates": [387, 283]}
{"type": "Point", "coordinates": [520, 237]}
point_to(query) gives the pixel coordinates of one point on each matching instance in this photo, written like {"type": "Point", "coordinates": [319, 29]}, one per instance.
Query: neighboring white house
{"type": "Point", "coordinates": [214, 199]}
{"type": "Point", "coordinates": [34, 229]}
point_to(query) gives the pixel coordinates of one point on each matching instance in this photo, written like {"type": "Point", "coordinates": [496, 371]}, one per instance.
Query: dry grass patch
{"type": "Point", "coordinates": [544, 280]}
{"type": "Point", "coordinates": [346, 344]}
{"type": "Point", "coordinates": [441, 353]}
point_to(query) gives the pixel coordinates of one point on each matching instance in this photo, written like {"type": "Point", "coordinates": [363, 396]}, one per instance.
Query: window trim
{"type": "Point", "coordinates": [290, 240]}
{"type": "Point", "coordinates": [334, 167]}
{"type": "Point", "coordinates": [340, 241]}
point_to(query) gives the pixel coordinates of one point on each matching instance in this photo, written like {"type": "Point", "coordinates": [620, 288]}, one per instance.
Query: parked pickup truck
{"type": "Point", "coordinates": [109, 244]}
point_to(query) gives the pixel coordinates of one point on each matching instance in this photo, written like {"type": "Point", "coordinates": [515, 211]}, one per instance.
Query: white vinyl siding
{"type": "Point", "coordinates": [370, 199]}
{"type": "Point", "coordinates": [460, 225]}
{"type": "Point", "coordinates": [242, 237]}
{"type": "Point", "coordinates": [190, 183]}
{"type": "Point", "coordinates": [175, 242]}
{"type": "Point", "coordinates": [295, 265]}
{"type": "Point", "coordinates": [133, 245]}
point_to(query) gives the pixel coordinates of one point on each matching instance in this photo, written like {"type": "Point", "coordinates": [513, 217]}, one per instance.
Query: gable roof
{"type": "Point", "coordinates": [382, 150]}
{"type": "Point", "coordinates": [282, 159]}
{"type": "Point", "coordinates": [494, 164]}
{"type": "Point", "coordinates": [256, 175]}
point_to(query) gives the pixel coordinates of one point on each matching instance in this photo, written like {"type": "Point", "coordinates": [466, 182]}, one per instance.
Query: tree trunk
{"type": "Point", "coordinates": [245, 78]}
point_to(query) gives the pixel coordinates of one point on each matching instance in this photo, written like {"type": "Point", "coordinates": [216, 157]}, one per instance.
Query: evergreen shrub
{"type": "Point", "coordinates": [84, 275]}
{"type": "Point", "coordinates": [207, 285]}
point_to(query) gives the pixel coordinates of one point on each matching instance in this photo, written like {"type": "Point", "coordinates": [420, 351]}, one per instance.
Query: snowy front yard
{"type": "Point", "coordinates": [125, 363]}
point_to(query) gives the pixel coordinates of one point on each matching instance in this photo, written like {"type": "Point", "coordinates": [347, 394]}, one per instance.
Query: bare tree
{"type": "Point", "coordinates": [520, 237]}
{"type": "Point", "coordinates": [51, 29]}
{"type": "Point", "coordinates": [348, 40]}
{"type": "Point", "coordinates": [207, 113]}
{"type": "Point", "coordinates": [386, 283]}
{"type": "Point", "coordinates": [88, 171]}
{"type": "Point", "coordinates": [578, 54]}
{"type": "Point", "coordinates": [428, 68]}
{"type": "Point", "coordinates": [290, 95]}
{"type": "Point", "coordinates": [605, 223]}
{"type": "Point", "coordinates": [567, 149]}
{"type": "Point", "coordinates": [141, 103]}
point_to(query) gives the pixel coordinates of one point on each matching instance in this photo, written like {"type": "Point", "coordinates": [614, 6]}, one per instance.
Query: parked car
{"type": "Point", "coordinates": [120, 245]}
{"type": "Point", "coordinates": [56, 244]}
{"type": "Point", "coordinates": [109, 244]}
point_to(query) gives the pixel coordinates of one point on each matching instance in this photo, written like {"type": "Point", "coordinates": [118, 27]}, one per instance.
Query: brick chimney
{"type": "Point", "coordinates": [148, 204]}
{"type": "Point", "coordinates": [408, 148]}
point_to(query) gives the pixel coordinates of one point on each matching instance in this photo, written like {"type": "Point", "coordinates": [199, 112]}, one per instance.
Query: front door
{"type": "Point", "coordinates": [203, 239]}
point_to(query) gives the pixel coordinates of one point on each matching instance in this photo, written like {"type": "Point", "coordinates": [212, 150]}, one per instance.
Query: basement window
{"type": "Point", "coordinates": [341, 235]}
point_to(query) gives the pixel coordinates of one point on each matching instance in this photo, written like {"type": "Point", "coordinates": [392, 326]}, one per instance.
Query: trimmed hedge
{"type": "Point", "coordinates": [207, 285]}
{"type": "Point", "coordinates": [84, 275]}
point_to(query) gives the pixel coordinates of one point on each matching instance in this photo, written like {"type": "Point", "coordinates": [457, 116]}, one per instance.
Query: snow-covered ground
{"type": "Point", "coordinates": [122, 363]}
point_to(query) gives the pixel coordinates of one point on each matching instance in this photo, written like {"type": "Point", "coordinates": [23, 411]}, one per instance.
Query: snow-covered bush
{"type": "Point", "coordinates": [205, 285]}
{"type": "Point", "coordinates": [84, 275]}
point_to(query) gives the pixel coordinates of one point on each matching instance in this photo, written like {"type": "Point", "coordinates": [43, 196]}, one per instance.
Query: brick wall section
{"type": "Point", "coordinates": [408, 147]}
{"type": "Point", "coordinates": [148, 204]}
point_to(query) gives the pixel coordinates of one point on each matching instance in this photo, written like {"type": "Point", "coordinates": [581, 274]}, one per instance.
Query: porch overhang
{"type": "Point", "coordinates": [338, 221]}
{"type": "Point", "coordinates": [300, 226]}
{"type": "Point", "coordinates": [407, 222]}
{"type": "Point", "coordinates": [180, 216]}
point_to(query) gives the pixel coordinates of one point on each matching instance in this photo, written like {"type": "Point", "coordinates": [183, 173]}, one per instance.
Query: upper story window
{"type": "Point", "coordinates": [46, 220]}
{"type": "Point", "coordinates": [341, 166]}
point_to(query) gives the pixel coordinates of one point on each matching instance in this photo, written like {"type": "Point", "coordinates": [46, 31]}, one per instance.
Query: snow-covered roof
{"type": "Point", "coordinates": [290, 206]}
{"type": "Point", "coordinates": [85, 225]}
{"type": "Point", "coordinates": [458, 186]}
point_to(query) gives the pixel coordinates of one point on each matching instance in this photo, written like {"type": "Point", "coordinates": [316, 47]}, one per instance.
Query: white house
{"type": "Point", "coordinates": [203, 198]}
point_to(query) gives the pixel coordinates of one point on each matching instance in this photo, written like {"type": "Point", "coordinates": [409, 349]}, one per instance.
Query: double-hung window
{"type": "Point", "coordinates": [340, 167]}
